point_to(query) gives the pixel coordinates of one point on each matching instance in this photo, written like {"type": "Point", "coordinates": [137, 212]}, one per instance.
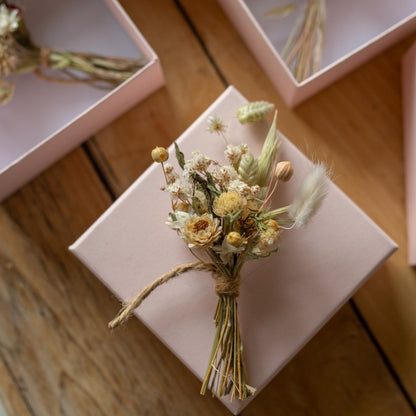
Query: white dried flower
{"type": "Point", "coordinates": [268, 239]}
{"type": "Point", "coordinates": [198, 163]}
{"type": "Point", "coordinates": [240, 187]}
{"type": "Point", "coordinates": [168, 168]}
{"type": "Point", "coordinates": [310, 196]}
{"type": "Point", "coordinates": [178, 190]}
{"type": "Point", "coordinates": [224, 175]}
{"type": "Point", "coordinates": [234, 153]}
{"type": "Point", "coordinates": [255, 191]}
{"type": "Point", "coordinates": [255, 111]}
{"type": "Point", "coordinates": [216, 125]}
{"type": "Point", "coordinates": [180, 219]}
{"type": "Point", "coordinates": [9, 20]}
{"type": "Point", "coordinates": [171, 175]}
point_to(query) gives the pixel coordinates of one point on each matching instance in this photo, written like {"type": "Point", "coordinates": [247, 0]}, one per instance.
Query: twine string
{"type": "Point", "coordinates": [224, 285]}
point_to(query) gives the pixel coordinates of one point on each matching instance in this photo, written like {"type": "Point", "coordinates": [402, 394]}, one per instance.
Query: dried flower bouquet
{"type": "Point", "coordinates": [19, 54]}
{"type": "Point", "coordinates": [223, 215]}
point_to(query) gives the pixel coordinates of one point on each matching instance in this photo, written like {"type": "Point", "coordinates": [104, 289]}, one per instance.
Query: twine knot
{"type": "Point", "coordinates": [227, 285]}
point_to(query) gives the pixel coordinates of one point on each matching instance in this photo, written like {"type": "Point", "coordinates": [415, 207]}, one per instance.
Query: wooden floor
{"type": "Point", "coordinates": [57, 356]}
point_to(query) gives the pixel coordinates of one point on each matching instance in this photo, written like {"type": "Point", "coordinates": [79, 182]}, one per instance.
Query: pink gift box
{"type": "Point", "coordinates": [356, 31]}
{"type": "Point", "coordinates": [285, 299]}
{"type": "Point", "coordinates": [409, 118]}
{"type": "Point", "coordinates": [45, 120]}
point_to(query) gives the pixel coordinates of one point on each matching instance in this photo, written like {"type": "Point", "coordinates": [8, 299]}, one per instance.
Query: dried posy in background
{"type": "Point", "coordinates": [303, 50]}
{"type": "Point", "coordinates": [223, 214]}
{"type": "Point", "coordinates": [19, 54]}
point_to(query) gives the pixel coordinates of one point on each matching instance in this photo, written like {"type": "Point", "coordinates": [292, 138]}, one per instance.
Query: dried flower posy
{"type": "Point", "coordinates": [223, 215]}
{"type": "Point", "coordinates": [18, 54]}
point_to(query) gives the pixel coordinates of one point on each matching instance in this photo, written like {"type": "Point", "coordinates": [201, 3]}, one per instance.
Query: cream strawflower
{"type": "Point", "coordinates": [229, 203]}
{"type": "Point", "coordinates": [201, 231]}
{"type": "Point", "coordinates": [9, 20]}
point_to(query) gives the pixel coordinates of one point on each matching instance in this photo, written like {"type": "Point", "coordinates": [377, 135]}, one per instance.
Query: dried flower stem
{"type": "Point", "coordinates": [303, 50]}
{"type": "Point", "coordinates": [226, 371]}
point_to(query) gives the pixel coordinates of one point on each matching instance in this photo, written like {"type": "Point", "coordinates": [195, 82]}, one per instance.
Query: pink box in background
{"type": "Point", "coordinates": [45, 120]}
{"type": "Point", "coordinates": [356, 31]}
{"type": "Point", "coordinates": [293, 292]}
{"type": "Point", "coordinates": [409, 118]}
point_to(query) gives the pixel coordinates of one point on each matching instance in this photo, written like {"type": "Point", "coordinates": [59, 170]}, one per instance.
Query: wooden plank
{"type": "Point", "coordinates": [191, 85]}
{"type": "Point", "coordinates": [10, 393]}
{"type": "Point", "coordinates": [53, 313]}
{"type": "Point", "coordinates": [355, 125]}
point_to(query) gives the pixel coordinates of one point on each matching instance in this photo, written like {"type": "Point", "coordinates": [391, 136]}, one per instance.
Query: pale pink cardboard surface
{"type": "Point", "coordinates": [356, 31]}
{"type": "Point", "coordinates": [409, 128]}
{"type": "Point", "coordinates": [46, 120]}
{"type": "Point", "coordinates": [293, 292]}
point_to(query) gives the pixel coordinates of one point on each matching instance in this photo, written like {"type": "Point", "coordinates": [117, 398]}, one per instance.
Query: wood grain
{"type": "Point", "coordinates": [57, 356]}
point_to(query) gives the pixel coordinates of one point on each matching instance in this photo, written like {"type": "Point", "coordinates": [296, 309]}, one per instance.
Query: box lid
{"type": "Point", "coordinates": [284, 299]}
{"type": "Point", "coordinates": [409, 129]}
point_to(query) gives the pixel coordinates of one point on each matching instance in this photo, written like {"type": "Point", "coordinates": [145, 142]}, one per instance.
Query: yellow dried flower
{"type": "Point", "coordinates": [283, 171]}
{"type": "Point", "coordinates": [229, 203]}
{"type": "Point", "coordinates": [273, 225]}
{"type": "Point", "coordinates": [160, 154]}
{"type": "Point", "coordinates": [201, 231]}
{"type": "Point", "coordinates": [235, 239]}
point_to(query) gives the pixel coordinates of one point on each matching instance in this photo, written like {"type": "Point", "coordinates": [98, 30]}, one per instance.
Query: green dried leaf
{"type": "Point", "coordinates": [268, 154]}
{"type": "Point", "coordinates": [204, 187]}
{"type": "Point", "coordinates": [179, 156]}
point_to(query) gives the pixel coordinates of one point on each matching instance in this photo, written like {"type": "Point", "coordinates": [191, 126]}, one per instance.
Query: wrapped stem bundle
{"type": "Point", "coordinates": [303, 50]}
{"type": "Point", "coordinates": [19, 54]}
{"type": "Point", "coordinates": [223, 215]}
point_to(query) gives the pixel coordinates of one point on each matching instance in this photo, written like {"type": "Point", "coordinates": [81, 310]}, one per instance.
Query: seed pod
{"type": "Point", "coordinates": [160, 154]}
{"type": "Point", "coordinates": [253, 112]}
{"type": "Point", "coordinates": [283, 171]}
{"type": "Point", "coordinates": [234, 239]}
